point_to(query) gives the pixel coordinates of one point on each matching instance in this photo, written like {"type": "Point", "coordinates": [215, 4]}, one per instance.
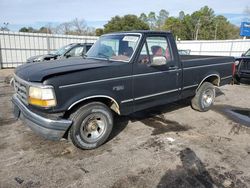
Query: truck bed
{"type": "Point", "coordinates": [202, 60]}
{"type": "Point", "coordinates": [198, 67]}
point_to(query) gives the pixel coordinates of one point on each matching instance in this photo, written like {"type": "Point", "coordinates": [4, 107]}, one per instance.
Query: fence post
{"type": "Point", "coordinates": [231, 48]}
{"type": "Point", "coordinates": [200, 48]}
{"type": "Point", "coordinates": [48, 44]}
{"type": "Point", "coordinates": [1, 57]}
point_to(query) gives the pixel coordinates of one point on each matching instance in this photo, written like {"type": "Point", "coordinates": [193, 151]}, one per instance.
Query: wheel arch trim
{"type": "Point", "coordinates": [210, 75]}
{"type": "Point", "coordinates": [93, 97]}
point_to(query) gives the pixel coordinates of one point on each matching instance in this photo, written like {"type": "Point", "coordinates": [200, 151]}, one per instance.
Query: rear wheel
{"type": "Point", "coordinates": [92, 125]}
{"type": "Point", "coordinates": [204, 98]}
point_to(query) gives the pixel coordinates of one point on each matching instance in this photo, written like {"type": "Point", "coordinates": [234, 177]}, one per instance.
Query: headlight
{"type": "Point", "coordinates": [236, 63]}
{"type": "Point", "coordinates": [43, 97]}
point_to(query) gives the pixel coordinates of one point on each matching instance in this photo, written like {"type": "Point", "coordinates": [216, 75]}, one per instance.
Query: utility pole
{"type": "Point", "coordinates": [1, 59]}
{"type": "Point", "coordinates": [197, 29]}
{"type": "Point", "coordinates": [215, 32]}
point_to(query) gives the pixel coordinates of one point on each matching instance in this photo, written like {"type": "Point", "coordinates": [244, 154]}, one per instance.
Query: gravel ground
{"type": "Point", "coordinates": [167, 146]}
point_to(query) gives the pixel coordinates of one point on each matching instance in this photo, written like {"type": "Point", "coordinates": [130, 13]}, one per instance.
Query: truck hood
{"type": "Point", "coordinates": [37, 72]}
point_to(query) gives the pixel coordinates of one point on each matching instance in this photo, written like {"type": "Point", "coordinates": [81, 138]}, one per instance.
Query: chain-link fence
{"type": "Point", "coordinates": [17, 47]}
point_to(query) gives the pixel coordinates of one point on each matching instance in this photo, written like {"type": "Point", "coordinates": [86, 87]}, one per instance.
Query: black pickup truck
{"type": "Point", "coordinates": [122, 73]}
{"type": "Point", "coordinates": [242, 67]}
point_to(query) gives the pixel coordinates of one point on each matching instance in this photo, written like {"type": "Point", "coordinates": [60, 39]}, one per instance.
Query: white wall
{"type": "Point", "coordinates": [215, 47]}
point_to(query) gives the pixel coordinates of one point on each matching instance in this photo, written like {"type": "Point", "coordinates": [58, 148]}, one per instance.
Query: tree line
{"type": "Point", "coordinates": [73, 27]}
{"type": "Point", "coordinates": [200, 25]}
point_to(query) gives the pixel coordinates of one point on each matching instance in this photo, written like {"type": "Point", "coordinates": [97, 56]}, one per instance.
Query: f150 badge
{"type": "Point", "coordinates": [118, 88]}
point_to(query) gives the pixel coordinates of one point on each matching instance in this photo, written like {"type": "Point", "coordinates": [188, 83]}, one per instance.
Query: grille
{"type": "Point", "coordinates": [21, 89]}
{"type": "Point", "coordinates": [245, 65]}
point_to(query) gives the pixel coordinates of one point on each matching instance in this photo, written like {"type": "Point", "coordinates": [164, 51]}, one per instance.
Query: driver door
{"type": "Point", "coordinates": [155, 84]}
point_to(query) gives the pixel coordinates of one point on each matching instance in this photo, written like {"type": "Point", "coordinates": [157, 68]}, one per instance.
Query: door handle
{"type": "Point", "coordinates": [173, 67]}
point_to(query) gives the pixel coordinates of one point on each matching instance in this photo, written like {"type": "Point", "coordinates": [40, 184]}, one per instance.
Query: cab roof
{"type": "Point", "coordinates": [142, 32]}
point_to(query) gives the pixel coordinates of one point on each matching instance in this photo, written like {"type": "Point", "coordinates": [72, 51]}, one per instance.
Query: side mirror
{"type": "Point", "coordinates": [159, 61]}
{"type": "Point", "coordinates": [242, 55]}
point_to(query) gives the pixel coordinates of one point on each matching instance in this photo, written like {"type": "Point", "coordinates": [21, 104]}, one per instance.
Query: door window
{"type": "Point", "coordinates": [155, 47]}
{"type": "Point", "coordinates": [75, 52]}
{"type": "Point", "coordinates": [88, 47]}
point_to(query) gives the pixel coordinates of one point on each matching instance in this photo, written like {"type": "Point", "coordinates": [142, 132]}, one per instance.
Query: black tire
{"type": "Point", "coordinates": [204, 98]}
{"type": "Point", "coordinates": [86, 125]}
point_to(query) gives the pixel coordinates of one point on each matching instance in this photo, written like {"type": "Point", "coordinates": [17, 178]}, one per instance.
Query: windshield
{"type": "Point", "coordinates": [62, 50]}
{"type": "Point", "coordinates": [119, 47]}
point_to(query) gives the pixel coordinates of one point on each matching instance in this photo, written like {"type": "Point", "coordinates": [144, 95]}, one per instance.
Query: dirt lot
{"type": "Point", "coordinates": [168, 146]}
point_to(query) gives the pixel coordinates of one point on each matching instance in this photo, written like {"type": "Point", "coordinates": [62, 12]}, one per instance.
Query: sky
{"type": "Point", "coordinates": [19, 13]}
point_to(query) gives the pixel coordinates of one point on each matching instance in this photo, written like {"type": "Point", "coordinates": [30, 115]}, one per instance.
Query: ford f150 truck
{"type": "Point", "coordinates": [122, 73]}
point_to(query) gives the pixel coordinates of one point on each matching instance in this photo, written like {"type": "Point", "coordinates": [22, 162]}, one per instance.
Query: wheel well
{"type": "Point", "coordinates": [213, 79]}
{"type": "Point", "coordinates": [111, 103]}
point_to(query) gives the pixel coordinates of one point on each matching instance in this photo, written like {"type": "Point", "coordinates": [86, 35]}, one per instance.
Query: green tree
{"type": "Point", "coordinates": [99, 32]}
{"type": "Point", "coordinates": [161, 18]}
{"type": "Point", "coordinates": [181, 15]}
{"type": "Point", "coordinates": [24, 29]}
{"type": "Point", "coordinates": [202, 21]}
{"type": "Point", "coordinates": [125, 23]}
{"type": "Point", "coordinates": [201, 25]}
{"type": "Point", "coordinates": [176, 26]}
{"type": "Point", "coordinates": [28, 30]}
{"type": "Point", "coordinates": [143, 17]}
{"type": "Point", "coordinates": [223, 29]}
{"type": "Point", "coordinates": [155, 22]}
{"type": "Point", "coordinates": [44, 30]}
{"type": "Point", "coordinates": [32, 30]}
{"type": "Point", "coordinates": [152, 20]}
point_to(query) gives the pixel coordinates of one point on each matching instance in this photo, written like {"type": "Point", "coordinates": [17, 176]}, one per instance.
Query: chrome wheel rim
{"type": "Point", "coordinates": [208, 98]}
{"type": "Point", "coordinates": [93, 127]}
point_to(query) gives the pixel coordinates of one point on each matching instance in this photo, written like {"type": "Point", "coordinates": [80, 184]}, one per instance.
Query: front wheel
{"type": "Point", "coordinates": [204, 97]}
{"type": "Point", "coordinates": [92, 125]}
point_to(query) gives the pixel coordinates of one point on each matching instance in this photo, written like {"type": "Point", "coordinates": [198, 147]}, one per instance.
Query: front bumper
{"type": "Point", "coordinates": [47, 128]}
